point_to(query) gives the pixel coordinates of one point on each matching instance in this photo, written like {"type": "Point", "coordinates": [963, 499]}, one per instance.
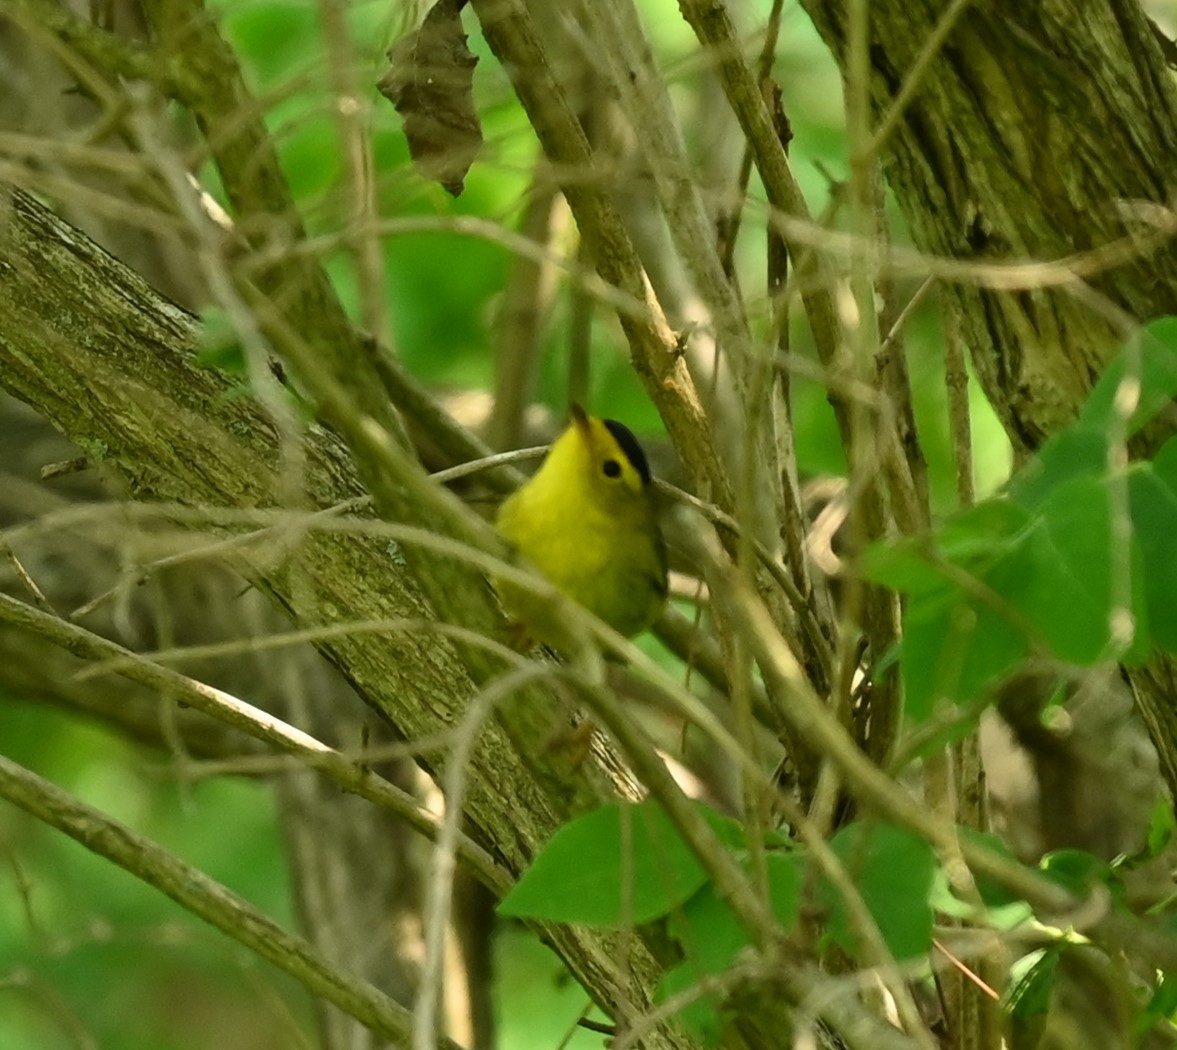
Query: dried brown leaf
{"type": "Point", "coordinates": [430, 82]}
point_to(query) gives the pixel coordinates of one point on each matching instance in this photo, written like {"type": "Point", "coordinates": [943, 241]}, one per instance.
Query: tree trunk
{"type": "Point", "coordinates": [1039, 132]}
{"type": "Point", "coordinates": [1035, 134]}
{"type": "Point", "coordinates": [91, 346]}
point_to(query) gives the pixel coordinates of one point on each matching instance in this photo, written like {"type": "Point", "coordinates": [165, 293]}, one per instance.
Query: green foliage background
{"type": "Point", "coordinates": [85, 951]}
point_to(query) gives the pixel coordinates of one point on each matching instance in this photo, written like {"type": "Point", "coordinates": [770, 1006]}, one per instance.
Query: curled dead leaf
{"type": "Point", "coordinates": [430, 82]}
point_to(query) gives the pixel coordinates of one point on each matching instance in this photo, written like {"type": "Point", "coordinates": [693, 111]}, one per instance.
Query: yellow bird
{"type": "Point", "coordinates": [587, 521]}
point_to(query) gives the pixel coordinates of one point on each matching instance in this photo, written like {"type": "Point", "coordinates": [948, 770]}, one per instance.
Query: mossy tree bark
{"type": "Point", "coordinates": [1032, 135]}
{"type": "Point", "coordinates": [1039, 132]}
{"type": "Point", "coordinates": [1029, 132]}
{"type": "Point", "coordinates": [91, 346]}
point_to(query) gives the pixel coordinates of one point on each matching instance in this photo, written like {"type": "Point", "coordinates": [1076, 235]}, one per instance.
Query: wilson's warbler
{"type": "Point", "coordinates": [587, 521]}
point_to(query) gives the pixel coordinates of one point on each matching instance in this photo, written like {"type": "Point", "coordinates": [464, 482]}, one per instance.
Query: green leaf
{"type": "Point", "coordinates": [1028, 1000]}
{"type": "Point", "coordinates": [1151, 358]}
{"type": "Point", "coordinates": [1077, 870]}
{"type": "Point", "coordinates": [955, 645]}
{"type": "Point", "coordinates": [1054, 581]}
{"type": "Point", "coordinates": [1064, 576]}
{"type": "Point", "coordinates": [906, 565]}
{"type": "Point", "coordinates": [1161, 1006]}
{"type": "Point", "coordinates": [1164, 465]}
{"type": "Point", "coordinates": [954, 650]}
{"type": "Point", "coordinates": [1161, 826]}
{"type": "Point", "coordinates": [704, 1017]}
{"type": "Point", "coordinates": [1071, 454]}
{"type": "Point", "coordinates": [621, 864]}
{"type": "Point", "coordinates": [709, 931]}
{"type": "Point", "coordinates": [712, 937]}
{"type": "Point", "coordinates": [981, 532]}
{"type": "Point", "coordinates": [894, 871]}
{"type": "Point", "coordinates": [993, 893]}
{"type": "Point", "coordinates": [969, 540]}
{"type": "Point", "coordinates": [1153, 506]}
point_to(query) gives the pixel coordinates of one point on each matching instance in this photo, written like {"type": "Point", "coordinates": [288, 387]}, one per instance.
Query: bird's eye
{"type": "Point", "coordinates": [611, 468]}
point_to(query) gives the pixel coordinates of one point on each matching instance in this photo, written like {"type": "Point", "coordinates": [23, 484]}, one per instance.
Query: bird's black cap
{"type": "Point", "coordinates": [629, 445]}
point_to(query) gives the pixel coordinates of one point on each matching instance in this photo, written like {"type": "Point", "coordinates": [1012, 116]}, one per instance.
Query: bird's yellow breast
{"type": "Point", "coordinates": [592, 534]}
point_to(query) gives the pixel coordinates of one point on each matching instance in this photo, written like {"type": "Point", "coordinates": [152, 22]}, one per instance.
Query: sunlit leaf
{"type": "Point", "coordinates": [1028, 999]}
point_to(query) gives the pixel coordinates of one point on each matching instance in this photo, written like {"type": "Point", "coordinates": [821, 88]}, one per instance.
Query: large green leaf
{"type": "Point", "coordinates": [1077, 452]}
{"type": "Point", "coordinates": [1153, 500]}
{"type": "Point", "coordinates": [1148, 360]}
{"type": "Point", "coordinates": [711, 937]}
{"type": "Point", "coordinates": [1164, 464]}
{"type": "Point", "coordinates": [894, 872]}
{"type": "Point", "coordinates": [621, 864]}
{"type": "Point", "coordinates": [970, 540]}
{"type": "Point", "coordinates": [1069, 572]}
{"type": "Point", "coordinates": [709, 931]}
{"type": "Point", "coordinates": [1049, 565]}
{"type": "Point", "coordinates": [1056, 583]}
{"type": "Point", "coordinates": [953, 650]}
{"type": "Point", "coordinates": [1154, 523]}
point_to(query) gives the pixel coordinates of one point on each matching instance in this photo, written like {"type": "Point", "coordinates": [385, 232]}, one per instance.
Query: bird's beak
{"type": "Point", "coordinates": [580, 418]}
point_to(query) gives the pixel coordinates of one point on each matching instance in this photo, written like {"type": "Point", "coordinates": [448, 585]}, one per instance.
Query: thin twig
{"type": "Point", "coordinates": [419, 405]}
{"type": "Point", "coordinates": [956, 380]}
{"type": "Point", "coordinates": [352, 115]}
{"type": "Point", "coordinates": [729, 224]}
{"type": "Point", "coordinates": [63, 467]}
{"type": "Point", "coordinates": [26, 578]}
{"type": "Point", "coordinates": [248, 719]}
{"type": "Point", "coordinates": [207, 899]}
{"type": "Point", "coordinates": [713, 26]}
{"type": "Point", "coordinates": [780, 576]}
{"type": "Point", "coordinates": [113, 53]}
{"type": "Point", "coordinates": [525, 301]}
{"type": "Point", "coordinates": [440, 883]}
{"type": "Point", "coordinates": [511, 34]}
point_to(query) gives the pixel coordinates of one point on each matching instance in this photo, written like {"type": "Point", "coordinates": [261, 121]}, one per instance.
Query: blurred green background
{"type": "Point", "coordinates": [88, 956]}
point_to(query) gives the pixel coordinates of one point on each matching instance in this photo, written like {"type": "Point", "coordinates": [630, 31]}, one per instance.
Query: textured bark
{"type": "Point", "coordinates": [190, 604]}
{"type": "Point", "coordinates": [1029, 130]}
{"type": "Point", "coordinates": [90, 345]}
{"type": "Point", "coordinates": [1034, 132]}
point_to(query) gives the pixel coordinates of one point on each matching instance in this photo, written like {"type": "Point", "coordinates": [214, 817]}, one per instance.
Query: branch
{"type": "Point", "coordinates": [87, 343]}
{"type": "Point", "coordinates": [115, 55]}
{"type": "Point", "coordinates": [205, 897]}
{"type": "Point", "coordinates": [714, 28]}
{"type": "Point", "coordinates": [253, 721]}
{"type": "Point", "coordinates": [1019, 140]}
{"type": "Point", "coordinates": [511, 34]}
